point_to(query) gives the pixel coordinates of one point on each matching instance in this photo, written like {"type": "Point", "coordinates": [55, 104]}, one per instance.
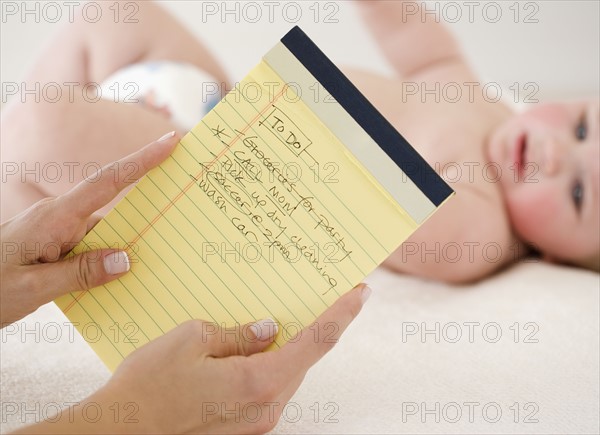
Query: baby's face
{"type": "Point", "coordinates": [550, 173]}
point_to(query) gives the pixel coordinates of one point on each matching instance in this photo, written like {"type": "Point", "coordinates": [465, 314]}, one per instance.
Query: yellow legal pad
{"type": "Point", "coordinates": [283, 198]}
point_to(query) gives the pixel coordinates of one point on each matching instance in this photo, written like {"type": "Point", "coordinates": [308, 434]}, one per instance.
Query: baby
{"type": "Point", "coordinates": [525, 182]}
{"type": "Point", "coordinates": [529, 180]}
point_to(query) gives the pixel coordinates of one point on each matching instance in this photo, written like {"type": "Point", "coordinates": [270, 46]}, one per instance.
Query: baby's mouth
{"type": "Point", "coordinates": [520, 157]}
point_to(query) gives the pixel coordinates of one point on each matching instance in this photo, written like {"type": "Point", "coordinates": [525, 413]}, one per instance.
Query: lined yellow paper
{"type": "Point", "coordinates": [261, 211]}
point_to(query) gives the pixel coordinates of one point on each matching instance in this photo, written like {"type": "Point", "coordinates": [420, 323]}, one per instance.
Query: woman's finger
{"type": "Point", "coordinates": [97, 191]}
{"type": "Point", "coordinates": [92, 221]}
{"type": "Point", "coordinates": [79, 272]}
{"type": "Point", "coordinates": [294, 359]}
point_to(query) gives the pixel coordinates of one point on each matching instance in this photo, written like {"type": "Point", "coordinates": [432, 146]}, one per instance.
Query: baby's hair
{"type": "Point", "coordinates": [590, 263]}
{"type": "Point", "coordinates": [593, 263]}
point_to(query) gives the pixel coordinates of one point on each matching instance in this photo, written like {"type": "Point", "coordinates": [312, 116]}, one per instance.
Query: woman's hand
{"type": "Point", "coordinates": [199, 378]}
{"type": "Point", "coordinates": [34, 244]}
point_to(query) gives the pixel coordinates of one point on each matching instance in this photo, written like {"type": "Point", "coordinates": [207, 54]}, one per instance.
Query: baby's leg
{"type": "Point", "coordinates": [90, 52]}
{"type": "Point", "coordinates": [47, 148]}
{"type": "Point", "coordinates": [73, 134]}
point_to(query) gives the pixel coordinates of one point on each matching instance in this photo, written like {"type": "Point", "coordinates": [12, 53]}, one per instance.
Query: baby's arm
{"type": "Point", "coordinates": [412, 40]}
{"type": "Point", "coordinates": [457, 244]}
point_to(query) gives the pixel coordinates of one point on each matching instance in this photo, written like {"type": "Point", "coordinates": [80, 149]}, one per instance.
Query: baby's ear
{"type": "Point", "coordinates": [549, 258]}
{"type": "Point", "coordinates": [593, 263]}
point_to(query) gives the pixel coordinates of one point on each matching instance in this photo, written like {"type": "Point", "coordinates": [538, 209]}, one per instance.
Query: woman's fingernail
{"type": "Point", "coordinates": [117, 262]}
{"type": "Point", "coordinates": [365, 293]}
{"type": "Point", "coordinates": [264, 329]}
{"type": "Point", "coordinates": [166, 136]}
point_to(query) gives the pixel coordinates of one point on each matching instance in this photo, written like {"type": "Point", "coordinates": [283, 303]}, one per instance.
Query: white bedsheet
{"type": "Point", "coordinates": [382, 379]}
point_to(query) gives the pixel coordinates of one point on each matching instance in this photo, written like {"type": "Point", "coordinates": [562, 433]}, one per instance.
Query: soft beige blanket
{"type": "Point", "coordinates": [526, 361]}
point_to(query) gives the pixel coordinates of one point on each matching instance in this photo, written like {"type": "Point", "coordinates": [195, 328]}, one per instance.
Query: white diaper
{"type": "Point", "coordinates": [181, 91]}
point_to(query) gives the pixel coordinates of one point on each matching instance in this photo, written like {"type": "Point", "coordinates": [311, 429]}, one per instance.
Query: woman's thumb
{"type": "Point", "coordinates": [238, 340]}
{"type": "Point", "coordinates": [82, 272]}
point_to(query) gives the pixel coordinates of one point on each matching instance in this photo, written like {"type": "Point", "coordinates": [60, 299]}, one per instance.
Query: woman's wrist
{"type": "Point", "coordinates": [104, 412]}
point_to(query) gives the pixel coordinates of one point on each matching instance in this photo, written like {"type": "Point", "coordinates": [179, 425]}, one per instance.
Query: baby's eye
{"type": "Point", "coordinates": [581, 130]}
{"type": "Point", "coordinates": [577, 195]}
